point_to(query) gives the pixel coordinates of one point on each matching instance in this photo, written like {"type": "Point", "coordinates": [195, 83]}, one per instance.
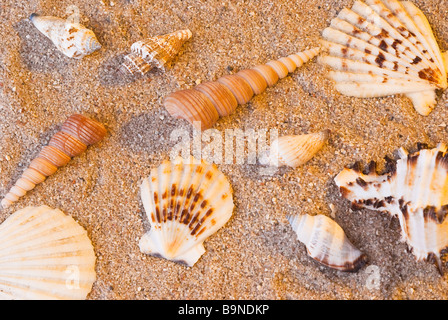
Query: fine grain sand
{"type": "Point", "coordinates": [256, 255]}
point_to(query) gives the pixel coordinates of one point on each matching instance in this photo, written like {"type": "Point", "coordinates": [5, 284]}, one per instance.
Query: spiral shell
{"type": "Point", "coordinates": [186, 201]}
{"type": "Point", "coordinates": [153, 52]}
{"type": "Point", "coordinates": [45, 254]}
{"type": "Point", "coordinates": [326, 242]}
{"type": "Point", "coordinates": [72, 39]}
{"type": "Point", "coordinates": [413, 189]}
{"type": "Point", "coordinates": [385, 47]}
{"type": "Point", "coordinates": [294, 151]}
{"type": "Point", "coordinates": [242, 86]}
{"type": "Point", "coordinates": [76, 134]}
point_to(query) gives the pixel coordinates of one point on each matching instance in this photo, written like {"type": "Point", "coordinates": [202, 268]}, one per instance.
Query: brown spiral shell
{"type": "Point", "coordinates": [76, 134]}
{"type": "Point", "coordinates": [214, 101]}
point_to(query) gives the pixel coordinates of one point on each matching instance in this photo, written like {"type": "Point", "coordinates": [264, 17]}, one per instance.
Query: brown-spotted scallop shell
{"type": "Point", "coordinates": [76, 134]}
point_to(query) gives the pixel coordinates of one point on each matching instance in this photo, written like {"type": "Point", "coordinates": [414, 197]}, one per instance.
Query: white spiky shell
{"type": "Point", "coordinates": [295, 150]}
{"type": "Point", "coordinates": [326, 242]}
{"type": "Point", "coordinates": [72, 39]}
{"type": "Point", "coordinates": [415, 191]}
{"type": "Point", "coordinates": [45, 254]}
{"type": "Point", "coordinates": [185, 201]}
{"type": "Point", "coordinates": [385, 47]}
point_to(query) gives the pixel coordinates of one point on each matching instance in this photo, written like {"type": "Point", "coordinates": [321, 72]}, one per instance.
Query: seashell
{"type": "Point", "coordinates": [153, 52]}
{"type": "Point", "coordinates": [72, 39]}
{"type": "Point", "coordinates": [294, 151]}
{"type": "Point", "coordinates": [45, 254]}
{"type": "Point", "coordinates": [242, 85]}
{"type": "Point", "coordinates": [76, 134]}
{"type": "Point", "coordinates": [185, 203]}
{"type": "Point", "coordinates": [326, 242]}
{"type": "Point", "coordinates": [385, 47]}
{"type": "Point", "coordinates": [412, 189]}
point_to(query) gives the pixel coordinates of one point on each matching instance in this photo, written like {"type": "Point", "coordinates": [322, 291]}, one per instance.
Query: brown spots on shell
{"type": "Point", "coordinates": [383, 45]}
{"type": "Point", "coordinates": [72, 30]}
{"type": "Point", "coordinates": [380, 59]}
{"type": "Point", "coordinates": [209, 175]}
{"type": "Point", "coordinates": [427, 74]}
{"type": "Point", "coordinates": [396, 43]}
{"type": "Point", "coordinates": [416, 60]}
{"type": "Point", "coordinates": [362, 183]}
{"type": "Point", "coordinates": [367, 51]}
{"type": "Point", "coordinates": [344, 192]}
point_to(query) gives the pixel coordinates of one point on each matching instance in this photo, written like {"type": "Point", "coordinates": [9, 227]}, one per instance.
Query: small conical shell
{"type": "Point", "coordinates": [326, 242]}
{"type": "Point", "coordinates": [385, 47]}
{"type": "Point", "coordinates": [185, 201]}
{"type": "Point", "coordinates": [294, 151]}
{"type": "Point", "coordinates": [72, 39]}
{"type": "Point", "coordinates": [154, 52]}
{"type": "Point", "coordinates": [45, 254]}
{"type": "Point", "coordinates": [76, 134]}
{"type": "Point", "coordinates": [242, 85]}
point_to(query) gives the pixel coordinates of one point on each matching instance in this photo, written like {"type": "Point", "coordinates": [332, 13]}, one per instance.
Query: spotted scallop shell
{"type": "Point", "coordinates": [45, 254]}
{"type": "Point", "coordinates": [153, 52]}
{"type": "Point", "coordinates": [185, 201]}
{"type": "Point", "coordinates": [414, 189]}
{"type": "Point", "coordinates": [385, 47]}
{"type": "Point", "coordinates": [204, 104]}
{"type": "Point", "coordinates": [72, 39]}
{"type": "Point", "coordinates": [295, 150]}
{"type": "Point", "coordinates": [76, 134]}
{"type": "Point", "coordinates": [326, 242]}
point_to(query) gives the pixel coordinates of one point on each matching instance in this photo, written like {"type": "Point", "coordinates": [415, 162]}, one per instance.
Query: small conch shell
{"type": "Point", "coordinates": [228, 91]}
{"type": "Point", "coordinates": [45, 254]}
{"type": "Point", "coordinates": [72, 39]}
{"type": "Point", "coordinates": [186, 201]}
{"type": "Point", "coordinates": [153, 52]}
{"type": "Point", "coordinates": [76, 134]}
{"type": "Point", "coordinates": [294, 151]}
{"type": "Point", "coordinates": [326, 242]}
{"type": "Point", "coordinates": [385, 47]}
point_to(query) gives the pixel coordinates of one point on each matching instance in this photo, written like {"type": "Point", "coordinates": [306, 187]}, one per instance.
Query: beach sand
{"type": "Point", "coordinates": [256, 254]}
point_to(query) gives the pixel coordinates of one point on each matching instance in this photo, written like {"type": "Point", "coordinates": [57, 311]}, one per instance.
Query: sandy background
{"type": "Point", "coordinates": [256, 255]}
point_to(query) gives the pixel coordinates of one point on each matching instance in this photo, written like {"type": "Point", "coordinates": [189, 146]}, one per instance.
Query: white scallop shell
{"type": "Point", "coordinates": [415, 191]}
{"type": "Point", "coordinates": [72, 39]}
{"type": "Point", "coordinates": [385, 47]}
{"type": "Point", "coordinates": [45, 254]}
{"type": "Point", "coordinates": [294, 151]}
{"type": "Point", "coordinates": [185, 201]}
{"type": "Point", "coordinates": [326, 242]}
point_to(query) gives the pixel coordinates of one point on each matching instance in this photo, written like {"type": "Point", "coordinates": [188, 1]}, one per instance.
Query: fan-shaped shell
{"type": "Point", "coordinates": [294, 151]}
{"type": "Point", "coordinates": [414, 190]}
{"type": "Point", "coordinates": [385, 47]}
{"type": "Point", "coordinates": [326, 242]}
{"type": "Point", "coordinates": [72, 39]}
{"type": "Point", "coordinates": [45, 254]}
{"type": "Point", "coordinates": [76, 134]}
{"type": "Point", "coordinates": [185, 201]}
{"type": "Point", "coordinates": [154, 52]}
{"type": "Point", "coordinates": [242, 86]}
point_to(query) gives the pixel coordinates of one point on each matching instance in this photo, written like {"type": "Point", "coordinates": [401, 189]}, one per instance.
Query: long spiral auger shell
{"type": "Point", "coordinates": [326, 242]}
{"type": "Point", "coordinates": [76, 134]}
{"type": "Point", "coordinates": [384, 47]}
{"type": "Point", "coordinates": [153, 53]}
{"type": "Point", "coordinates": [45, 254]}
{"type": "Point", "coordinates": [186, 201]}
{"type": "Point", "coordinates": [204, 104]}
{"type": "Point", "coordinates": [413, 189]}
{"type": "Point", "coordinates": [72, 39]}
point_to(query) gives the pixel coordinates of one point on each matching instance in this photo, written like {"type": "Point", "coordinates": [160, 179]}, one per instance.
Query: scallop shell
{"type": "Point", "coordinates": [72, 39]}
{"type": "Point", "coordinates": [76, 134]}
{"type": "Point", "coordinates": [412, 189]}
{"type": "Point", "coordinates": [241, 87]}
{"type": "Point", "coordinates": [45, 254]}
{"type": "Point", "coordinates": [326, 242]}
{"type": "Point", "coordinates": [294, 151]}
{"type": "Point", "coordinates": [185, 203]}
{"type": "Point", "coordinates": [385, 47]}
{"type": "Point", "coordinates": [154, 52]}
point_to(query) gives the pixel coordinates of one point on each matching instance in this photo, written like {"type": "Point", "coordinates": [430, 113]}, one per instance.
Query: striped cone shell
{"type": "Point", "coordinates": [76, 134]}
{"type": "Point", "coordinates": [185, 201]}
{"type": "Point", "coordinates": [242, 86]}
